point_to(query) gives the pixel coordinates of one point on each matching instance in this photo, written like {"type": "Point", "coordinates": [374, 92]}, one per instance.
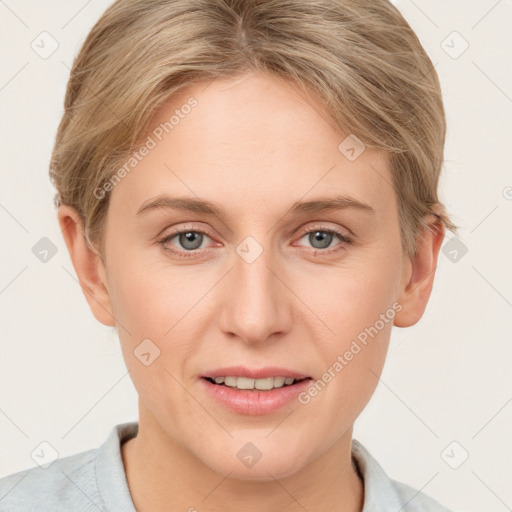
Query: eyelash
{"type": "Point", "coordinates": [188, 254]}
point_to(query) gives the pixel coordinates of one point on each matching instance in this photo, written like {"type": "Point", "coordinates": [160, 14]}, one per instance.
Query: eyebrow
{"type": "Point", "coordinates": [204, 207]}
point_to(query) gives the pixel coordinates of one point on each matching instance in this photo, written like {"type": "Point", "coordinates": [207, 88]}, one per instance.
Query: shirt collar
{"type": "Point", "coordinates": [110, 474]}
{"type": "Point", "coordinates": [380, 494]}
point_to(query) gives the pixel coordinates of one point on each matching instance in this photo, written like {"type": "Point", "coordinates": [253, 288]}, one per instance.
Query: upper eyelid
{"type": "Point", "coordinates": [323, 227]}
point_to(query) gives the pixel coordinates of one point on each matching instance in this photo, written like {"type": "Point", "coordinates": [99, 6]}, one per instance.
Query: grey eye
{"type": "Point", "coordinates": [323, 238]}
{"type": "Point", "coordinates": [190, 240]}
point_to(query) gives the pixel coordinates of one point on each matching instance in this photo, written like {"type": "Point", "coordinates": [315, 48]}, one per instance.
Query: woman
{"type": "Point", "coordinates": [248, 192]}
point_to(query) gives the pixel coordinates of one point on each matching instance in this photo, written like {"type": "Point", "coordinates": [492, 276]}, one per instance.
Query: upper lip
{"type": "Point", "coordinates": [254, 373]}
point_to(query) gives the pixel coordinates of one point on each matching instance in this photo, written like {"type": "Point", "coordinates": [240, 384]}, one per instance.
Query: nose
{"type": "Point", "coordinates": [257, 304]}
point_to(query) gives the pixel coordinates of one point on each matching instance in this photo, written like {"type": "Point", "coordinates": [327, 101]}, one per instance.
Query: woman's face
{"type": "Point", "coordinates": [262, 284]}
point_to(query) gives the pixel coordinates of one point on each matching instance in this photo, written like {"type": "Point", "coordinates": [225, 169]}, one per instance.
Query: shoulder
{"type": "Point", "coordinates": [89, 481]}
{"type": "Point", "coordinates": [68, 483]}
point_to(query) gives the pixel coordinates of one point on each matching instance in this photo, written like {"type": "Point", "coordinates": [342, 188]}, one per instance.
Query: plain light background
{"type": "Point", "coordinates": [445, 392]}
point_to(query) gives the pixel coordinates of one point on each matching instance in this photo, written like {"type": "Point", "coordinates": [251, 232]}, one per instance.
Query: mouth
{"type": "Point", "coordinates": [254, 391]}
{"type": "Point", "coordinates": [263, 392]}
{"type": "Point", "coordinates": [250, 384]}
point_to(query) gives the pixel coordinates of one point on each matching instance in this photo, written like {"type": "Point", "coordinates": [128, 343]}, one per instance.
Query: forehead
{"type": "Point", "coordinates": [250, 143]}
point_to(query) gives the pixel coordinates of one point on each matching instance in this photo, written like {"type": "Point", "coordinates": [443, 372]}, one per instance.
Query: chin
{"type": "Point", "coordinates": [260, 472]}
{"type": "Point", "coordinates": [248, 462]}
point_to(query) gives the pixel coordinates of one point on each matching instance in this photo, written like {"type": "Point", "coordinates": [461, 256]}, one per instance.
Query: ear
{"type": "Point", "coordinates": [418, 279]}
{"type": "Point", "coordinates": [88, 265]}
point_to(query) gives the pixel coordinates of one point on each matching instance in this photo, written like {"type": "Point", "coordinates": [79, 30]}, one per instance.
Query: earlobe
{"type": "Point", "coordinates": [87, 264]}
{"type": "Point", "coordinates": [417, 284]}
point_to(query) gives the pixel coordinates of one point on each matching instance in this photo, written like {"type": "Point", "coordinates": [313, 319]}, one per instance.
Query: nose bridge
{"type": "Point", "coordinates": [255, 306]}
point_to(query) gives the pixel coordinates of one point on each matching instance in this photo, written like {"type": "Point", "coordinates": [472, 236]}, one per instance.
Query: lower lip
{"type": "Point", "coordinates": [254, 402]}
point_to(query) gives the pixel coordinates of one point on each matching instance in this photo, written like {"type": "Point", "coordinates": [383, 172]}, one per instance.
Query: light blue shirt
{"type": "Point", "coordinates": [95, 480]}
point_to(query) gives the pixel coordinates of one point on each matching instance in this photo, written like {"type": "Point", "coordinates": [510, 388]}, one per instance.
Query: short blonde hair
{"type": "Point", "coordinates": [360, 57]}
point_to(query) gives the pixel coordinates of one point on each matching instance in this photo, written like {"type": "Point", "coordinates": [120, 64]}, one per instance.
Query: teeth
{"type": "Point", "coordinates": [264, 384]}
{"type": "Point", "coordinates": [244, 383]}
{"type": "Point", "coordinates": [278, 382]}
{"type": "Point", "coordinates": [260, 384]}
{"type": "Point", "coordinates": [230, 381]}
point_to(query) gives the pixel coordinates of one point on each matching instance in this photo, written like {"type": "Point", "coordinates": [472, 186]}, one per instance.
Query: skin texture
{"type": "Point", "coordinates": [255, 146]}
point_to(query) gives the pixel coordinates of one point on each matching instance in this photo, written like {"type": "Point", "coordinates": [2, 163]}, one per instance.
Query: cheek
{"type": "Point", "coordinates": [148, 299]}
{"type": "Point", "coordinates": [356, 308]}
{"type": "Point", "coordinates": [152, 311]}
{"type": "Point", "coordinates": [163, 305]}
{"type": "Point", "coordinates": [349, 298]}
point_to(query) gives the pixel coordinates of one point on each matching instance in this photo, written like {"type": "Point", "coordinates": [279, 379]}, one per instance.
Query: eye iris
{"type": "Point", "coordinates": [324, 237]}
{"type": "Point", "coordinates": [190, 237]}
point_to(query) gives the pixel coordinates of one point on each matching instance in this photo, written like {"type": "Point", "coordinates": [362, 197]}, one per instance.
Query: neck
{"type": "Point", "coordinates": [164, 476]}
